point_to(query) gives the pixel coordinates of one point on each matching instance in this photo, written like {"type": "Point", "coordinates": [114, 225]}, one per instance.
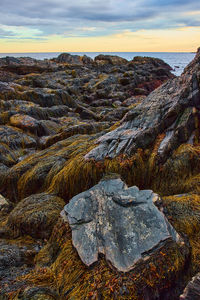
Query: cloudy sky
{"type": "Point", "coordinates": [99, 25]}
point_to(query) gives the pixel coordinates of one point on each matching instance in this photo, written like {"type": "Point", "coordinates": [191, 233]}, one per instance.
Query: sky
{"type": "Point", "coordinates": [99, 25]}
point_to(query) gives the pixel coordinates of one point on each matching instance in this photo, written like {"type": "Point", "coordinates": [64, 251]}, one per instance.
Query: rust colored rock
{"type": "Point", "coordinates": [24, 122]}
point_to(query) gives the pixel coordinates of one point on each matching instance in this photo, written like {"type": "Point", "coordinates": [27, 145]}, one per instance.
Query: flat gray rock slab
{"type": "Point", "coordinates": [120, 222]}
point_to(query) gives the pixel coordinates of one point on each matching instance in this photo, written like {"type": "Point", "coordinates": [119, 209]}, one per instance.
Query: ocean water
{"type": "Point", "coordinates": [177, 60]}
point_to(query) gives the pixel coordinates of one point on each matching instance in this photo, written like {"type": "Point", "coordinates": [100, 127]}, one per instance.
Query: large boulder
{"type": "Point", "coordinates": [68, 58]}
{"type": "Point", "coordinates": [73, 59]}
{"type": "Point", "coordinates": [110, 59]}
{"type": "Point", "coordinates": [120, 222]}
{"type": "Point", "coordinates": [151, 60]}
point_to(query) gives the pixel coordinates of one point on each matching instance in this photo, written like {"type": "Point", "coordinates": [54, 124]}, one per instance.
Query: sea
{"type": "Point", "coordinates": [177, 60]}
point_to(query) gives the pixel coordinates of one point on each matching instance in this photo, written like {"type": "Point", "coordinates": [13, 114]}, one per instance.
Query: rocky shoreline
{"type": "Point", "coordinates": [99, 178]}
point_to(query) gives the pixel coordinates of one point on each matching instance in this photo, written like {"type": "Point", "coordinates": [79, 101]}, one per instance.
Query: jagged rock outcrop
{"type": "Point", "coordinates": [172, 109]}
{"type": "Point", "coordinates": [25, 65]}
{"type": "Point", "coordinates": [66, 87]}
{"type": "Point", "coordinates": [73, 59]}
{"type": "Point", "coordinates": [70, 96]}
{"type": "Point", "coordinates": [120, 222]}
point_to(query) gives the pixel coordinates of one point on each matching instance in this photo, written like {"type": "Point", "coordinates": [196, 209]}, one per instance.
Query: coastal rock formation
{"type": "Point", "coordinates": [70, 96]}
{"type": "Point", "coordinates": [155, 145]}
{"type": "Point", "coordinates": [120, 222]}
{"type": "Point", "coordinates": [24, 65]}
{"type": "Point", "coordinates": [64, 124]}
{"type": "Point", "coordinates": [171, 110]}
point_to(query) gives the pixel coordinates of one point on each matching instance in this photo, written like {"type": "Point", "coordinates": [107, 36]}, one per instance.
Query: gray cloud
{"type": "Point", "coordinates": [61, 17]}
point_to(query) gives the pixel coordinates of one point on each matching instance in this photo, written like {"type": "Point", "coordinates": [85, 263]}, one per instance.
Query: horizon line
{"type": "Point", "coordinates": [100, 52]}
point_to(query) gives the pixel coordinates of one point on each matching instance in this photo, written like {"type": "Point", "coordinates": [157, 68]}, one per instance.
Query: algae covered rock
{"type": "Point", "coordinates": [120, 222]}
{"type": "Point", "coordinates": [15, 254]}
{"type": "Point", "coordinates": [14, 138]}
{"type": "Point", "coordinates": [24, 122]}
{"type": "Point", "coordinates": [5, 87]}
{"type": "Point", "coordinates": [152, 278]}
{"type": "Point", "coordinates": [157, 274]}
{"type": "Point", "coordinates": [183, 210]}
{"type": "Point", "coordinates": [66, 108]}
{"type": "Point", "coordinates": [35, 215]}
{"type": "Point", "coordinates": [16, 259]}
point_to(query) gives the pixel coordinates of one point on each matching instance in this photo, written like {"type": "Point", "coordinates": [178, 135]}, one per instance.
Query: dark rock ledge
{"type": "Point", "coordinates": [120, 222]}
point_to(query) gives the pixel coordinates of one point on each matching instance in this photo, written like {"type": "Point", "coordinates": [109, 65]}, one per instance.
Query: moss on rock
{"type": "Point", "coordinates": [35, 215]}
{"type": "Point", "coordinates": [184, 214]}
{"type": "Point", "coordinates": [154, 276]}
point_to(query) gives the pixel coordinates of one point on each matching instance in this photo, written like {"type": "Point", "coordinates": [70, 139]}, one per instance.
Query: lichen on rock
{"type": "Point", "coordinates": [120, 222]}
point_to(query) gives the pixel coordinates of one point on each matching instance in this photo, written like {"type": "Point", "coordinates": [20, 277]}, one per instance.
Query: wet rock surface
{"type": "Point", "coordinates": [120, 222]}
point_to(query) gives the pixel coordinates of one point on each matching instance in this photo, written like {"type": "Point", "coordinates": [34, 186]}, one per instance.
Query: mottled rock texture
{"type": "Point", "coordinates": [120, 222]}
